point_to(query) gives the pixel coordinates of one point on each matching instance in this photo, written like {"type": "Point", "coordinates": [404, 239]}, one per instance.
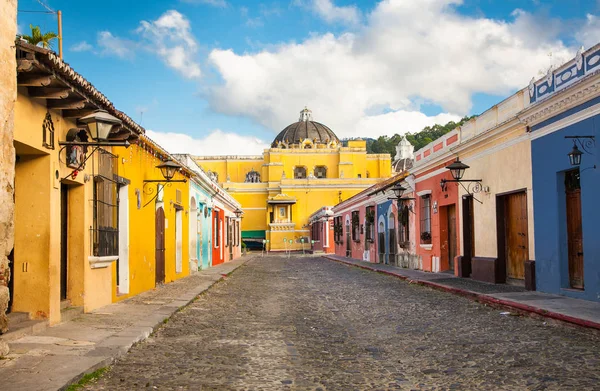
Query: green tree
{"type": "Point", "coordinates": [38, 39]}
{"type": "Point", "coordinates": [385, 144]}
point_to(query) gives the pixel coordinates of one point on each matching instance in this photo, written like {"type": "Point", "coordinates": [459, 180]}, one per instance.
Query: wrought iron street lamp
{"type": "Point", "coordinates": [238, 213]}
{"type": "Point", "coordinates": [168, 169]}
{"type": "Point", "coordinates": [457, 170]}
{"type": "Point", "coordinates": [586, 143]}
{"type": "Point", "coordinates": [99, 125]}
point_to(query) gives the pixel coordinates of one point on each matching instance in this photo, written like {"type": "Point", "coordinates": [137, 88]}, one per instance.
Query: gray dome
{"type": "Point", "coordinates": [304, 129]}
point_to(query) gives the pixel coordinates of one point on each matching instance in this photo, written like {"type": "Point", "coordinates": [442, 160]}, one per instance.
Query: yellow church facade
{"type": "Point", "coordinates": [306, 168]}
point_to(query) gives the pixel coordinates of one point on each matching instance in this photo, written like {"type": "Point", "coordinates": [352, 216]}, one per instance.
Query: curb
{"type": "Point", "coordinates": [480, 297]}
{"type": "Point", "coordinates": [141, 333]}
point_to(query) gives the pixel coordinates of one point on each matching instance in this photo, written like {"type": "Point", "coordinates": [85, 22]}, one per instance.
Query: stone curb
{"type": "Point", "coordinates": [119, 344]}
{"type": "Point", "coordinates": [479, 297]}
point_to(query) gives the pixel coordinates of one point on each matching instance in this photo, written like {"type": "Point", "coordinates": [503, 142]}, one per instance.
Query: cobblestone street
{"type": "Point", "coordinates": [313, 324]}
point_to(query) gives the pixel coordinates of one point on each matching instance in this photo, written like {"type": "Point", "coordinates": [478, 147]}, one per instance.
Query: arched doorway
{"type": "Point", "coordinates": [348, 239]}
{"type": "Point", "coordinates": [160, 246]}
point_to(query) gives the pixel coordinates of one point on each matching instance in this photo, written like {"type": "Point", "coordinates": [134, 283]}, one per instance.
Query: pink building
{"type": "Point", "coordinates": [321, 228]}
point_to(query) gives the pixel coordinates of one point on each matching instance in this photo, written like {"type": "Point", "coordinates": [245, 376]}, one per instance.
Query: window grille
{"type": "Point", "coordinates": [105, 231]}
{"type": "Point", "coordinates": [300, 172]}
{"type": "Point", "coordinates": [355, 226]}
{"type": "Point", "coordinates": [426, 219]}
{"type": "Point", "coordinates": [321, 172]}
{"type": "Point", "coordinates": [403, 216]}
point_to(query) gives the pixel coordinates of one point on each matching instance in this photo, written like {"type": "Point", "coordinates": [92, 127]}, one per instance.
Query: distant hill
{"type": "Point", "coordinates": [385, 144]}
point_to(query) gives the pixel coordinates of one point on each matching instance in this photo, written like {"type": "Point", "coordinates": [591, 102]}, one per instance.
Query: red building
{"type": "Point", "coordinates": [436, 206]}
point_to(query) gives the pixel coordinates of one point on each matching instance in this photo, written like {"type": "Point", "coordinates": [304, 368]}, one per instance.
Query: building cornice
{"type": "Point", "coordinates": [561, 101]}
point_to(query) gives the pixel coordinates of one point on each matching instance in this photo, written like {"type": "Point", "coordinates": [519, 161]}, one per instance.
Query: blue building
{"type": "Point", "coordinates": [202, 189]}
{"type": "Point", "coordinates": [564, 121]}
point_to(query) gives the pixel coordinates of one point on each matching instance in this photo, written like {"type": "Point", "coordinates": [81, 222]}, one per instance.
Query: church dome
{"type": "Point", "coordinates": [306, 133]}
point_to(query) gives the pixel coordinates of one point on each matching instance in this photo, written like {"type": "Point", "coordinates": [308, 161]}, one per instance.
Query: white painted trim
{"type": "Point", "coordinates": [431, 174]}
{"type": "Point", "coordinates": [423, 192]}
{"type": "Point", "coordinates": [264, 208]}
{"type": "Point", "coordinates": [498, 148]}
{"type": "Point", "coordinates": [123, 282]}
{"type": "Point", "coordinates": [563, 123]}
{"type": "Point", "coordinates": [101, 262]}
{"type": "Point", "coordinates": [426, 246]}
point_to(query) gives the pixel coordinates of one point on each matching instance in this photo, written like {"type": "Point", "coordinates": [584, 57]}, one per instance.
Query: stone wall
{"type": "Point", "coordinates": [8, 95]}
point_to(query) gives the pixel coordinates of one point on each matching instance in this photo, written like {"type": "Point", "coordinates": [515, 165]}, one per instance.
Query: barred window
{"type": "Point", "coordinates": [321, 172]}
{"type": "Point", "coordinates": [355, 226]}
{"type": "Point", "coordinates": [370, 223]}
{"type": "Point", "coordinates": [426, 219]}
{"type": "Point", "coordinates": [300, 172]}
{"type": "Point", "coordinates": [105, 230]}
{"type": "Point", "coordinates": [403, 220]}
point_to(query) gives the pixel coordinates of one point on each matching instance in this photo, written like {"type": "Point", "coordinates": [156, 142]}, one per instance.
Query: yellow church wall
{"type": "Point", "coordinates": [344, 165]}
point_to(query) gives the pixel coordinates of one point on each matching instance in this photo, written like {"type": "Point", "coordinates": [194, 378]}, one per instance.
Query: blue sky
{"type": "Point", "coordinates": [213, 76]}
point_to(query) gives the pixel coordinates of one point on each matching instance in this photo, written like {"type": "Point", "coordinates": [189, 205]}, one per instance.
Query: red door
{"type": "Point", "coordinates": [217, 237]}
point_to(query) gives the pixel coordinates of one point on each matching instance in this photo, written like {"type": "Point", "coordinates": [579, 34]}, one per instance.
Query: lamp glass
{"type": "Point", "coordinates": [575, 156]}
{"type": "Point", "coordinates": [398, 190]}
{"type": "Point", "coordinates": [168, 169]}
{"type": "Point", "coordinates": [457, 169]}
{"type": "Point", "coordinates": [100, 123]}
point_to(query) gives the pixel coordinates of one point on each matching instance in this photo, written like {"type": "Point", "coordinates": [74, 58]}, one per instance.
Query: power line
{"type": "Point", "coordinates": [36, 12]}
{"type": "Point", "coordinates": [45, 6]}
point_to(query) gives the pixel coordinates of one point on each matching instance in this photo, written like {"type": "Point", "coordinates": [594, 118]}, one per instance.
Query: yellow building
{"type": "Point", "coordinates": [91, 226]}
{"type": "Point", "coordinates": [305, 168]}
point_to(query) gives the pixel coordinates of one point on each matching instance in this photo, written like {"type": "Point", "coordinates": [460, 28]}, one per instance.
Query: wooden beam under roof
{"type": "Point", "coordinates": [25, 65]}
{"type": "Point", "coordinates": [77, 113]}
{"type": "Point", "coordinates": [66, 104]}
{"type": "Point", "coordinates": [49, 93]}
{"type": "Point", "coordinates": [34, 80]}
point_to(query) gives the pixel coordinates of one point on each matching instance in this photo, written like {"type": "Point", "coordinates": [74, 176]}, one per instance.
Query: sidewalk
{"type": "Point", "coordinates": [580, 312]}
{"type": "Point", "coordinates": [62, 354]}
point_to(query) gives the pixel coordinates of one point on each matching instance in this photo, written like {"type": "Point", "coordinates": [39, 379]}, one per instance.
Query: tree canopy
{"type": "Point", "coordinates": [386, 144]}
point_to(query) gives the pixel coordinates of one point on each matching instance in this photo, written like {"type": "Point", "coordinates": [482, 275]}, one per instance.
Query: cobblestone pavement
{"type": "Point", "coordinates": [314, 324]}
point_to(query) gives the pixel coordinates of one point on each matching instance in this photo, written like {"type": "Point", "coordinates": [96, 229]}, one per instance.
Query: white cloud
{"type": "Point", "coordinates": [82, 46]}
{"type": "Point", "coordinates": [111, 45]}
{"type": "Point", "coordinates": [589, 35]}
{"type": "Point", "coordinates": [170, 37]}
{"type": "Point", "coordinates": [214, 3]}
{"type": "Point", "coordinates": [405, 52]}
{"type": "Point", "coordinates": [216, 143]}
{"type": "Point", "coordinates": [332, 13]}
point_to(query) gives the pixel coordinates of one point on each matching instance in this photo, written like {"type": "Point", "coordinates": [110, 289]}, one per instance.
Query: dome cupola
{"type": "Point", "coordinates": [306, 134]}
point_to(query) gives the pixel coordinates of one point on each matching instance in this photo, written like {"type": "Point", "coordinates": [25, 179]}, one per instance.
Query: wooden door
{"type": "Point", "coordinates": [348, 241]}
{"type": "Point", "coordinates": [517, 239]}
{"type": "Point", "coordinates": [468, 234]}
{"type": "Point", "coordinates": [574, 230]}
{"type": "Point", "coordinates": [64, 231]}
{"type": "Point", "coordinates": [451, 235]}
{"type": "Point", "coordinates": [160, 246]}
{"type": "Point", "coordinates": [381, 243]}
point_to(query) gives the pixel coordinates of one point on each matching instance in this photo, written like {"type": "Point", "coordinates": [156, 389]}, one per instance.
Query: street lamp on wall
{"type": "Point", "coordinates": [585, 142]}
{"type": "Point", "coordinates": [168, 169]}
{"type": "Point", "coordinates": [99, 124]}
{"type": "Point", "coordinates": [238, 213]}
{"type": "Point", "coordinates": [457, 170]}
